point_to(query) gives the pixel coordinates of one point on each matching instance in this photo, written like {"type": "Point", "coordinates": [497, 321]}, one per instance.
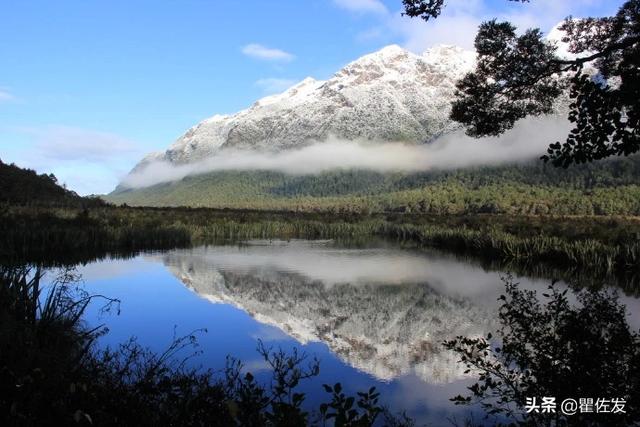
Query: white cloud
{"type": "Point", "coordinates": [72, 143]}
{"type": "Point", "coordinates": [363, 6]}
{"type": "Point", "coordinates": [418, 35]}
{"type": "Point", "coordinates": [527, 140]}
{"type": "Point", "coordinates": [457, 25]}
{"type": "Point", "coordinates": [88, 161]}
{"type": "Point", "coordinates": [259, 51]}
{"type": "Point", "coordinates": [6, 95]}
{"type": "Point", "coordinates": [542, 13]}
{"type": "Point", "coordinates": [273, 85]}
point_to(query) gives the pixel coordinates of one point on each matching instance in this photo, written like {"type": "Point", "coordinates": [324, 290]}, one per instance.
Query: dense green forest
{"type": "Point", "coordinates": [19, 186]}
{"type": "Point", "coordinates": [534, 188]}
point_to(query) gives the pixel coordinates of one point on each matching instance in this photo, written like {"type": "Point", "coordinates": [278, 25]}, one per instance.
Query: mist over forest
{"type": "Point", "coordinates": [526, 141]}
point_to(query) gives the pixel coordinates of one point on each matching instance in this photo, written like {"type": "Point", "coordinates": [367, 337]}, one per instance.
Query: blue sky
{"type": "Point", "coordinates": [88, 87]}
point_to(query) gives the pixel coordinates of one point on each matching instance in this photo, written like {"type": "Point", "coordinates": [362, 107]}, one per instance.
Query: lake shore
{"type": "Point", "coordinates": [599, 247]}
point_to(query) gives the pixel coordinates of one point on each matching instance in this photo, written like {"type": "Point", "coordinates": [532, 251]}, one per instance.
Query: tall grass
{"type": "Point", "coordinates": [599, 246]}
{"type": "Point", "coordinates": [52, 375]}
{"type": "Point", "coordinates": [587, 254]}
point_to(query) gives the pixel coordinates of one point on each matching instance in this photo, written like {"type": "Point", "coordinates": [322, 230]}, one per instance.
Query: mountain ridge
{"type": "Point", "coordinates": [388, 95]}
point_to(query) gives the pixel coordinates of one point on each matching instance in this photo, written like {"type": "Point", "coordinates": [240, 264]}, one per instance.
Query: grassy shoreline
{"type": "Point", "coordinates": [599, 246]}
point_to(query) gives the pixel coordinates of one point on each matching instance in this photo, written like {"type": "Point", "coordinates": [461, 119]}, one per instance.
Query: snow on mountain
{"type": "Point", "coordinates": [389, 95]}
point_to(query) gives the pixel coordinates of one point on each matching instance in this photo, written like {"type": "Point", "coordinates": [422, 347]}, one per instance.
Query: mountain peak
{"type": "Point", "coordinates": [449, 56]}
{"type": "Point", "coordinates": [385, 55]}
{"type": "Point", "coordinates": [555, 36]}
{"type": "Point", "coordinates": [389, 95]}
{"type": "Point", "coordinates": [307, 81]}
{"type": "Point", "coordinates": [393, 49]}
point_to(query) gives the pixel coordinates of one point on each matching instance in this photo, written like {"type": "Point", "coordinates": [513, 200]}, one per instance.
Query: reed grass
{"type": "Point", "coordinates": [602, 246]}
{"type": "Point", "coordinates": [52, 375]}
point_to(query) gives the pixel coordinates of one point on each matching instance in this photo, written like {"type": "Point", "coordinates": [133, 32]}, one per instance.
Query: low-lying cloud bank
{"type": "Point", "coordinates": [529, 139]}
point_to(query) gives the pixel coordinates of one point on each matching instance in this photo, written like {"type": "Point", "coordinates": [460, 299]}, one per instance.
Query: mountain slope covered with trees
{"type": "Point", "coordinates": [605, 188]}
{"type": "Point", "coordinates": [19, 186]}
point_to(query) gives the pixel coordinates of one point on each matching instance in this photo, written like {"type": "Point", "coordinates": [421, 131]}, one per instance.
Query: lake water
{"type": "Point", "coordinates": [373, 315]}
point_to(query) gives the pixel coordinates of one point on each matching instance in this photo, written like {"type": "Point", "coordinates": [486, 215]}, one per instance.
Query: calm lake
{"type": "Point", "coordinates": [374, 315]}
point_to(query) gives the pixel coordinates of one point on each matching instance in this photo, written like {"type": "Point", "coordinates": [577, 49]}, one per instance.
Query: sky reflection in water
{"type": "Point", "coordinates": [373, 316]}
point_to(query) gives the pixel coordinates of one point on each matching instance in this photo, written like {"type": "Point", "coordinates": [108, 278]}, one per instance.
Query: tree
{"type": "Point", "coordinates": [521, 75]}
{"type": "Point", "coordinates": [551, 347]}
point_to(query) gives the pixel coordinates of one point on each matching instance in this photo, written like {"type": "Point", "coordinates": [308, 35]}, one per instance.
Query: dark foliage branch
{"type": "Point", "coordinates": [550, 346]}
{"type": "Point", "coordinates": [514, 78]}
{"type": "Point", "coordinates": [427, 9]}
{"type": "Point", "coordinates": [518, 76]}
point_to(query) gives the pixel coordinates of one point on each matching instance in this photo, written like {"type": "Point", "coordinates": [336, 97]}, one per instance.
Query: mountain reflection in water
{"type": "Point", "coordinates": [374, 314]}
{"type": "Point", "coordinates": [383, 311]}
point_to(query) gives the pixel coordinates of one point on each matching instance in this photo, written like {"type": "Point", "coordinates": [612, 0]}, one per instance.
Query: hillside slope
{"type": "Point", "coordinates": [610, 187]}
{"type": "Point", "coordinates": [19, 186]}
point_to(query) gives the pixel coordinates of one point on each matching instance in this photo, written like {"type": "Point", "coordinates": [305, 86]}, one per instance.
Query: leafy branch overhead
{"type": "Point", "coordinates": [522, 75]}
{"type": "Point", "coordinates": [427, 9]}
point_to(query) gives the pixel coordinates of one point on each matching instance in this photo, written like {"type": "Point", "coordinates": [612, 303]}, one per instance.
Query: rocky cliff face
{"type": "Point", "coordinates": [389, 95]}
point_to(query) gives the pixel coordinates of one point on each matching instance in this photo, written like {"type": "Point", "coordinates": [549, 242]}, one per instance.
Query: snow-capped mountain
{"type": "Point", "coordinates": [389, 95]}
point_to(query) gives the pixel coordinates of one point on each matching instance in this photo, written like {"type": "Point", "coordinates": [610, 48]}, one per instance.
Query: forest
{"type": "Point", "coordinates": [25, 187]}
{"type": "Point", "coordinates": [533, 188]}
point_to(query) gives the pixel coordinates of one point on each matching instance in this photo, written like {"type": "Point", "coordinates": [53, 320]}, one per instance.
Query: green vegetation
{"type": "Point", "coordinates": [602, 249]}
{"type": "Point", "coordinates": [606, 188]}
{"type": "Point", "coordinates": [25, 187]}
{"type": "Point", "coordinates": [64, 228]}
{"type": "Point", "coordinates": [68, 236]}
{"type": "Point", "coordinates": [52, 374]}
